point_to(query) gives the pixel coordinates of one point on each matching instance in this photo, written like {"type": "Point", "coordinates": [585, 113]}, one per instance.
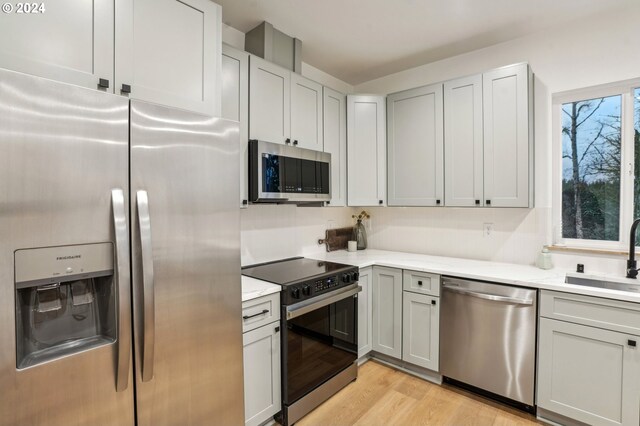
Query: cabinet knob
{"type": "Point", "coordinates": [488, 202]}
{"type": "Point", "coordinates": [631, 343]}
{"type": "Point", "coordinates": [438, 202]}
{"type": "Point", "coordinates": [126, 88]}
{"type": "Point", "coordinates": [277, 329]}
{"type": "Point", "coordinates": [380, 202]}
{"type": "Point", "coordinates": [328, 202]}
{"type": "Point", "coordinates": [477, 202]}
{"type": "Point", "coordinates": [419, 282]}
{"type": "Point", "coordinates": [295, 141]}
{"type": "Point", "coordinates": [433, 302]}
{"type": "Point", "coordinates": [103, 83]}
{"type": "Point", "coordinates": [245, 202]}
{"type": "Point", "coordinates": [287, 140]}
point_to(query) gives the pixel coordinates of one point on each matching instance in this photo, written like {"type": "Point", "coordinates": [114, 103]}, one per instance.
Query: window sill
{"type": "Point", "coordinates": [608, 252]}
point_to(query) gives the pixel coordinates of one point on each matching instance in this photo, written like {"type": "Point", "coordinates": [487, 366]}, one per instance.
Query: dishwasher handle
{"type": "Point", "coordinates": [487, 296]}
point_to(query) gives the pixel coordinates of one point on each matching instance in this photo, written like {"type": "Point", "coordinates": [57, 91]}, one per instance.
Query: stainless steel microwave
{"type": "Point", "coordinates": [288, 174]}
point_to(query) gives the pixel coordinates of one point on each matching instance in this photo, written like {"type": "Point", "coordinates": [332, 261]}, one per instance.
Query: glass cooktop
{"type": "Point", "coordinates": [289, 271]}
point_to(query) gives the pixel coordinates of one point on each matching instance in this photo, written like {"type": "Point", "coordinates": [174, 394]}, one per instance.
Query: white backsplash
{"type": "Point", "coordinates": [271, 232]}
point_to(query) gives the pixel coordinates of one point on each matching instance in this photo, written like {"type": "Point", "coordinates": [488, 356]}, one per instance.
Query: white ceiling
{"type": "Point", "coordinates": [359, 40]}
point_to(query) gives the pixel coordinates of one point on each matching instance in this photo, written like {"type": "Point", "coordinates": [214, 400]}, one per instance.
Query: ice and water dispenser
{"type": "Point", "coordinates": [65, 301]}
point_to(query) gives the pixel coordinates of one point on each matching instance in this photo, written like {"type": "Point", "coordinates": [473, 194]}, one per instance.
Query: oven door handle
{"type": "Point", "coordinates": [307, 306]}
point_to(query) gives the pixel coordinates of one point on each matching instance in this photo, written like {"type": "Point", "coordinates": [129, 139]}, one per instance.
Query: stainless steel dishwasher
{"type": "Point", "coordinates": [488, 339]}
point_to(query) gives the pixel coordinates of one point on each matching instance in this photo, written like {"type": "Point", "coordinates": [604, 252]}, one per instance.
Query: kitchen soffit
{"type": "Point", "coordinates": [360, 40]}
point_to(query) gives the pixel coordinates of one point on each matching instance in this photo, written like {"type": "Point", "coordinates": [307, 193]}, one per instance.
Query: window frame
{"type": "Point", "coordinates": [625, 89]}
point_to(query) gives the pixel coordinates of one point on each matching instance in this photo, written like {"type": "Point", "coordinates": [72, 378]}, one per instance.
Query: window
{"type": "Point", "coordinates": [597, 154]}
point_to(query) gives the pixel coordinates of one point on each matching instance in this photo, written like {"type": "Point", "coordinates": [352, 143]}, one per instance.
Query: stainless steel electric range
{"type": "Point", "coordinates": [319, 303]}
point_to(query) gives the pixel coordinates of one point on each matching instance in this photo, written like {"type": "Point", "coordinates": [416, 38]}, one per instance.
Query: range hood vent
{"type": "Point", "coordinates": [274, 46]}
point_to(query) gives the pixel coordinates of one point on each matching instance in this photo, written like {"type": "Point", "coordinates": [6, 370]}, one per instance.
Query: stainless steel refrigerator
{"type": "Point", "coordinates": [120, 296]}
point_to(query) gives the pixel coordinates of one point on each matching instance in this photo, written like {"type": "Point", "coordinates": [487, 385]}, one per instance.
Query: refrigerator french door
{"type": "Point", "coordinates": [66, 241]}
{"type": "Point", "coordinates": [65, 332]}
{"type": "Point", "coordinates": [186, 267]}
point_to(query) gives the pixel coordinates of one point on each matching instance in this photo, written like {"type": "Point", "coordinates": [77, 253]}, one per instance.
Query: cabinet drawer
{"type": "Point", "coordinates": [260, 311]}
{"type": "Point", "coordinates": [421, 282]}
{"type": "Point", "coordinates": [593, 311]}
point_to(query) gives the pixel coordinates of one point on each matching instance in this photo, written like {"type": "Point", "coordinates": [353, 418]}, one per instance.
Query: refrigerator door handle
{"type": "Point", "coordinates": [148, 298]}
{"type": "Point", "coordinates": [123, 281]}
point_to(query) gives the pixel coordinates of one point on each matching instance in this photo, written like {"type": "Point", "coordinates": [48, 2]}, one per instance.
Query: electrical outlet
{"type": "Point", "coordinates": [487, 229]}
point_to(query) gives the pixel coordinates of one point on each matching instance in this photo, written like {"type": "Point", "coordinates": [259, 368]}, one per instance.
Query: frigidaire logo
{"type": "Point", "coordinates": [74, 256]}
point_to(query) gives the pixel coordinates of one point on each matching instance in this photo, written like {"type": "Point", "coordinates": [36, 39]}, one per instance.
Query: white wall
{"type": "Point", "coordinates": [584, 53]}
{"type": "Point", "coordinates": [271, 232]}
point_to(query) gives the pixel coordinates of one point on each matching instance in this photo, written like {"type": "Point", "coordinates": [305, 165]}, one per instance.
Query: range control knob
{"type": "Point", "coordinates": [295, 293]}
{"type": "Point", "coordinates": [346, 278]}
{"type": "Point", "coordinates": [306, 290]}
{"type": "Point", "coordinates": [355, 276]}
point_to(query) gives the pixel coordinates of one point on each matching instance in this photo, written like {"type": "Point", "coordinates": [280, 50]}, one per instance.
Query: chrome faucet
{"type": "Point", "coordinates": [632, 266]}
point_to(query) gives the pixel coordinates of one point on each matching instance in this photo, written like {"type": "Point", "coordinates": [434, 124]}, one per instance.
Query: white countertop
{"type": "Point", "coordinates": [506, 273]}
{"type": "Point", "coordinates": [253, 288]}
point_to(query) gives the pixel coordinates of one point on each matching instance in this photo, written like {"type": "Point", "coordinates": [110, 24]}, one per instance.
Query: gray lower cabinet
{"type": "Point", "coordinates": [387, 311]}
{"type": "Point", "coordinates": [365, 306]}
{"type": "Point", "coordinates": [261, 373]}
{"type": "Point", "coordinates": [589, 374]}
{"type": "Point", "coordinates": [420, 329]}
{"type": "Point", "coordinates": [261, 338]}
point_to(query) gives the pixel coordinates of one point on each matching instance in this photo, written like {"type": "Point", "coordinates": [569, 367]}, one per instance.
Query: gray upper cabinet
{"type": "Point", "coordinates": [269, 101]}
{"type": "Point", "coordinates": [508, 136]}
{"type": "Point", "coordinates": [169, 52]}
{"type": "Point", "coordinates": [335, 143]}
{"type": "Point", "coordinates": [306, 113]}
{"type": "Point", "coordinates": [463, 147]}
{"type": "Point", "coordinates": [284, 107]}
{"type": "Point", "coordinates": [366, 150]}
{"type": "Point", "coordinates": [71, 42]}
{"type": "Point", "coordinates": [235, 105]}
{"type": "Point", "coordinates": [415, 144]}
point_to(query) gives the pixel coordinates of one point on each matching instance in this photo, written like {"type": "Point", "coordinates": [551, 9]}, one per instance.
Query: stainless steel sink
{"type": "Point", "coordinates": [620, 284]}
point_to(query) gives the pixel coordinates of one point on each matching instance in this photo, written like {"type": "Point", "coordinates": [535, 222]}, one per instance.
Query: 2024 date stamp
{"type": "Point", "coordinates": [24, 8]}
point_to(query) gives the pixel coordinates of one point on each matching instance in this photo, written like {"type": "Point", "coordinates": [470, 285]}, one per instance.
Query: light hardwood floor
{"type": "Point", "coordinates": [384, 396]}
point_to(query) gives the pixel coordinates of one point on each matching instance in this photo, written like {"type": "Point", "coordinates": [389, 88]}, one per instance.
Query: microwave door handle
{"type": "Point", "coordinates": [148, 296]}
{"type": "Point", "coordinates": [123, 282]}
{"type": "Point", "coordinates": [307, 306]}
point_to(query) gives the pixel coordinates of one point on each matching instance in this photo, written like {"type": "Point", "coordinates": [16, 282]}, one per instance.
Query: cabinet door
{"type": "Point", "coordinates": [269, 101]}
{"type": "Point", "coordinates": [588, 374]}
{"type": "Point", "coordinates": [71, 42]}
{"type": "Point", "coordinates": [306, 113]}
{"type": "Point", "coordinates": [169, 52]}
{"type": "Point", "coordinates": [335, 143]}
{"type": "Point", "coordinates": [420, 329]}
{"type": "Point", "coordinates": [508, 142]}
{"type": "Point", "coordinates": [261, 374]}
{"type": "Point", "coordinates": [463, 152]}
{"type": "Point", "coordinates": [415, 147]}
{"type": "Point", "coordinates": [235, 105]}
{"type": "Point", "coordinates": [387, 311]}
{"type": "Point", "coordinates": [366, 150]}
{"type": "Point", "coordinates": [365, 321]}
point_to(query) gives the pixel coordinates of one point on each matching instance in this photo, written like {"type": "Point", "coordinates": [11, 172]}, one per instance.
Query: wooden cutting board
{"type": "Point", "coordinates": [336, 239]}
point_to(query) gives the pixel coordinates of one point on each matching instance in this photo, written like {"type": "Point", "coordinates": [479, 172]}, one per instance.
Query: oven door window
{"type": "Point", "coordinates": [319, 345]}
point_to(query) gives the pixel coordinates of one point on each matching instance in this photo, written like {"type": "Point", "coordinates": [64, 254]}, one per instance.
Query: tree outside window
{"type": "Point", "coordinates": [591, 168]}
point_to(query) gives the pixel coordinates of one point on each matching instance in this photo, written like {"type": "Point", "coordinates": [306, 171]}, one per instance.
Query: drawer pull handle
{"type": "Point", "coordinates": [631, 343]}
{"type": "Point", "coordinates": [419, 282]}
{"type": "Point", "coordinates": [264, 311]}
